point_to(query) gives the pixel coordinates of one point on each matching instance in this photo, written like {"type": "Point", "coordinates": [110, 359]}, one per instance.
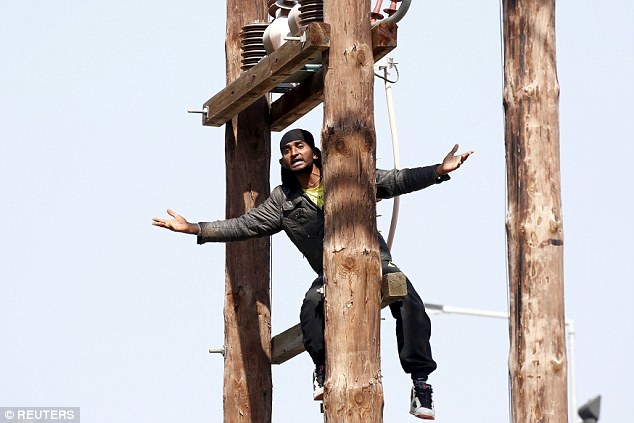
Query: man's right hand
{"type": "Point", "coordinates": [177, 224]}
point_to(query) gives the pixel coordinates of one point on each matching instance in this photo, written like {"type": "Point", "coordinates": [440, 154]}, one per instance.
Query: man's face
{"type": "Point", "coordinates": [297, 156]}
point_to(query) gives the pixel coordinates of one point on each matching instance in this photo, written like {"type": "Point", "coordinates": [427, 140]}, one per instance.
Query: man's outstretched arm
{"type": "Point", "coordinates": [390, 183]}
{"type": "Point", "coordinates": [177, 224]}
{"type": "Point", "coordinates": [263, 220]}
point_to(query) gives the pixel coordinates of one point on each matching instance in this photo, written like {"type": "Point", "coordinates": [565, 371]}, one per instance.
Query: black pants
{"type": "Point", "coordinates": [413, 328]}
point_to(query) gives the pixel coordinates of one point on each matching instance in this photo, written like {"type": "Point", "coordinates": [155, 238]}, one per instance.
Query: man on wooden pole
{"type": "Point", "coordinates": [297, 208]}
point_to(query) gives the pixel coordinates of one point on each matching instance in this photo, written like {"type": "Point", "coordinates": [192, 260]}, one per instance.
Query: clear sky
{"type": "Point", "coordinates": [103, 311]}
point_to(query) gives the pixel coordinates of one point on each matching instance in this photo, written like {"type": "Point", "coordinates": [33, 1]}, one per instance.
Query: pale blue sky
{"type": "Point", "coordinates": [103, 311]}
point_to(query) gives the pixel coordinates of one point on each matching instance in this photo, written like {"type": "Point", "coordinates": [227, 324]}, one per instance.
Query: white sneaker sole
{"type": "Point", "coordinates": [425, 415]}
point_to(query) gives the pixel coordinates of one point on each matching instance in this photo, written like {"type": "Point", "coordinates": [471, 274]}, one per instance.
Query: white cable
{"type": "Point", "coordinates": [395, 148]}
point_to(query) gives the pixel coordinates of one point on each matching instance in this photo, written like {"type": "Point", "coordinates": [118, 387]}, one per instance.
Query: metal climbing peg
{"type": "Point", "coordinates": [222, 351]}
{"type": "Point", "coordinates": [204, 111]}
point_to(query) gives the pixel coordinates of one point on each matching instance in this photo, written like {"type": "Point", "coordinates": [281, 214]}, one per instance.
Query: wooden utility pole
{"type": "Point", "coordinates": [537, 362]}
{"type": "Point", "coordinates": [354, 392]}
{"type": "Point", "coordinates": [247, 372]}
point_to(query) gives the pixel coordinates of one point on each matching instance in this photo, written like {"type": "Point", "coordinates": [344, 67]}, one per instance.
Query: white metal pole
{"type": "Point", "coordinates": [570, 329]}
{"type": "Point", "coordinates": [570, 332]}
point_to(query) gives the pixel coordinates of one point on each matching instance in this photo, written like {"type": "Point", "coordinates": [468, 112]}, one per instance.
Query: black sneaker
{"type": "Point", "coordinates": [318, 382]}
{"type": "Point", "coordinates": [421, 404]}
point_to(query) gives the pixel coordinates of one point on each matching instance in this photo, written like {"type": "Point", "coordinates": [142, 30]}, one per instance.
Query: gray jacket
{"type": "Point", "coordinates": [303, 222]}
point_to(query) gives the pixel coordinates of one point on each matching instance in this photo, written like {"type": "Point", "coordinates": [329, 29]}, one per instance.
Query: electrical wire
{"type": "Point", "coordinates": [385, 78]}
{"type": "Point", "coordinates": [397, 16]}
{"type": "Point", "coordinates": [395, 145]}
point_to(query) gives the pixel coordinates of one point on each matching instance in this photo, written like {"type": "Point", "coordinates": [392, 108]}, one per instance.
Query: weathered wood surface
{"type": "Point", "coordinates": [537, 361]}
{"type": "Point", "coordinates": [383, 40]}
{"type": "Point", "coordinates": [288, 344]}
{"type": "Point", "coordinates": [310, 93]}
{"type": "Point", "coordinates": [353, 391]}
{"type": "Point", "coordinates": [247, 366]}
{"type": "Point", "coordinates": [266, 75]}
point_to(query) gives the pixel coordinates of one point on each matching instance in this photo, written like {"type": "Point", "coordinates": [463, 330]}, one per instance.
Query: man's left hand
{"type": "Point", "coordinates": [452, 161]}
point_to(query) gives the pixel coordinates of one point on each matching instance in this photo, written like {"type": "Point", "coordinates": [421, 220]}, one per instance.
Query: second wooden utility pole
{"type": "Point", "coordinates": [354, 392]}
{"type": "Point", "coordinates": [247, 375]}
{"type": "Point", "coordinates": [537, 362]}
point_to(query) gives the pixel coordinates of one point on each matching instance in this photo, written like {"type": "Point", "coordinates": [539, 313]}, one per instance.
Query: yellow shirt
{"type": "Point", "coordinates": [316, 195]}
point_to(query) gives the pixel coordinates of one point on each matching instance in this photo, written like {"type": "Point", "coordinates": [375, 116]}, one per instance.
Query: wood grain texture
{"type": "Point", "coordinates": [537, 361]}
{"type": "Point", "coordinates": [353, 391]}
{"type": "Point", "coordinates": [247, 383]}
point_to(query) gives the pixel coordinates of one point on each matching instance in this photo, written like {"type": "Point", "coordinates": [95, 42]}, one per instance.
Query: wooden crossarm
{"type": "Point", "coordinates": [309, 94]}
{"type": "Point", "coordinates": [267, 74]}
{"type": "Point", "coordinates": [297, 102]}
{"type": "Point", "coordinates": [279, 66]}
{"type": "Point", "coordinates": [383, 40]}
{"type": "Point", "coordinates": [289, 343]}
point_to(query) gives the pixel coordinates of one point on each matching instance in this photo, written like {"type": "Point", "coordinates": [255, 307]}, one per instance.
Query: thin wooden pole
{"type": "Point", "coordinates": [537, 362]}
{"type": "Point", "coordinates": [353, 389]}
{"type": "Point", "coordinates": [247, 376]}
